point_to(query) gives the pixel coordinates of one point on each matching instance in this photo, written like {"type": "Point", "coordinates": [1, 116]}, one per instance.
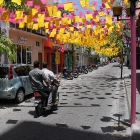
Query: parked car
{"type": "Point", "coordinates": [14, 82]}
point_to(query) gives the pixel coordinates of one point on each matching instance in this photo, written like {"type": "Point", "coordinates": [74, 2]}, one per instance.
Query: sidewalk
{"type": "Point", "coordinates": [127, 82]}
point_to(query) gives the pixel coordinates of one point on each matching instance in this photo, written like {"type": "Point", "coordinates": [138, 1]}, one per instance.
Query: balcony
{"type": "Point", "coordinates": [38, 32]}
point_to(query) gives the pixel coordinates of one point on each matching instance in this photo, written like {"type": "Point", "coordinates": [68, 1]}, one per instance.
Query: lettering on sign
{"type": "Point", "coordinates": [22, 40]}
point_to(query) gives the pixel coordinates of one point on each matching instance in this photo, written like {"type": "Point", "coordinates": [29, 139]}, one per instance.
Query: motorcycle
{"type": "Point", "coordinates": [82, 69]}
{"type": "Point", "coordinates": [94, 66]}
{"type": "Point", "coordinates": [66, 74]}
{"type": "Point", "coordinates": [41, 104]}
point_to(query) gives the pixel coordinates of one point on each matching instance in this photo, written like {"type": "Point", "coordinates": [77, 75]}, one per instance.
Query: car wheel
{"type": "Point", "coordinates": [20, 96]}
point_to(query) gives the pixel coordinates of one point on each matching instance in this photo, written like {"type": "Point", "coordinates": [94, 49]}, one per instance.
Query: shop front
{"type": "Point", "coordinates": [29, 46]}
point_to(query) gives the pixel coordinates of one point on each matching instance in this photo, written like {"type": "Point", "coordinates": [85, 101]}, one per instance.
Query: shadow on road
{"type": "Point", "coordinates": [30, 130]}
{"type": "Point", "coordinates": [11, 102]}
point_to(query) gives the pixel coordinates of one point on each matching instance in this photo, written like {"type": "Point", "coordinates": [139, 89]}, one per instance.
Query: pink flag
{"type": "Point", "coordinates": [60, 6]}
{"type": "Point", "coordinates": [43, 1]}
{"type": "Point", "coordinates": [12, 15]}
{"type": "Point", "coordinates": [1, 9]}
{"type": "Point", "coordinates": [94, 3]}
{"type": "Point", "coordinates": [30, 3]}
{"type": "Point", "coordinates": [47, 18]}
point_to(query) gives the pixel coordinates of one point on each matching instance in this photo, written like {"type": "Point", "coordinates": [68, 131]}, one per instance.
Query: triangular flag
{"type": "Point", "coordinates": [18, 2]}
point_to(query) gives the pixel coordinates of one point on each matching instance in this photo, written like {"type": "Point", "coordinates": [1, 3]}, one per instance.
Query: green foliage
{"type": "Point", "coordinates": [114, 38]}
{"type": "Point", "coordinates": [7, 46]}
{"type": "Point", "coordinates": [13, 6]}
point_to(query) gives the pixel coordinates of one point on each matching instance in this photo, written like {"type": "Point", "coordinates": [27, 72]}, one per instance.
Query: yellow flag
{"type": "Point", "coordinates": [50, 10]}
{"type": "Point", "coordinates": [1, 2]}
{"type": "Point", "coordinates": [89, 16]}
{"type": "Point", "coordinates": [87, 3]}
{"type": "Point", "coordinates": [17, 2]}
{"type": "Point", "coordinates": [54, 11]}
{"type": "Point", "coordinates": [58, 14]}
{"type": "Point", "coordinates": [68, 6]}
{"type": "Point", "coordinates": [88, 26]}
{"type": "Point", "coordinates": [34, 12]}
{"type": "Point", "coordinates": [107, 6]}
{"type": "Point", "coordinates": [57, 23]}
{"type": "Point", "coordinates": [27, 19]}
{"type": "Point", "coordinates": [71, 28]}
{"type": "Point", "coordinates": [41, 17]}
{"type": "Point", "coordinates": [52, 34]}
{"type": "Point", "coordinates": [69, 21]}
{"type": "Point", "coordinates": [4, 16]}
{"type": "Point", "coordinates": [92, 7]}
{"type": "Point", "coordinates": [40, 24]}
{"type": "Point", "coordinates": [18, 14]}
{"type": "Point", "coordinates": [46, 25]}
{"type": "Point", "coordinates": [21, 25]}
{"type": "Point", "coordinates": [64, 21]}
{"type": "Point", "coordinates": [62, 30]}
{"type": "Point", "coordinates": [30, 25]}
{"type": "Point", "coordinates": [35, 26]}
{"type": "Point", "coordinates": [96, 18]}
{"type": "Point", "coordinates": [82, 2]}
{"type": "Point", "coordinates": [109, 19]}
{"type": "Point", "coordinates": [54, 31]}
{"type": "Point", "coordinates": [47, 30]}
{"type": "Point", "coordinates": [101, 13]}
{"type": "Point", "coordinates": [76, 19]}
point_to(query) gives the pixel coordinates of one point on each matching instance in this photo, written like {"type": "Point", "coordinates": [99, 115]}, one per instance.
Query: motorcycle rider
{"type": "Point", "coordinates": [51, 78]}
{"type": "Point", "coordinates": [36, 77]}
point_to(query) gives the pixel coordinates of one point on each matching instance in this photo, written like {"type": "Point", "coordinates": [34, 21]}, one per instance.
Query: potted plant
{"type": "Point", "coordinates": [117, 8]}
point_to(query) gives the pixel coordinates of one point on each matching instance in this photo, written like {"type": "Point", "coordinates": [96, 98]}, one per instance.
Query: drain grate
{"type": "Point", "coordinates": [61, 125]}
{"type": "Point", "coordinates": [16, 109]}
{"type": "Point", "coordinates": [77, 104]}
{"type": "Point", "coordinates": [12, 121]}
{"type": "Point", "coordinates": [95, 105]}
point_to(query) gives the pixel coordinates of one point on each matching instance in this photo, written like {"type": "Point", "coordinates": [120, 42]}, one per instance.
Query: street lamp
{"type": "Point", "coordinates": [133, 59]}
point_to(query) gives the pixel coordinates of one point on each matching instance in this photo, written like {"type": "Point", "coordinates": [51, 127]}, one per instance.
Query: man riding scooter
{"type": "Point", "coordinates": [53, 81]}
{"type": "Point", "coordinates": [37, 77]}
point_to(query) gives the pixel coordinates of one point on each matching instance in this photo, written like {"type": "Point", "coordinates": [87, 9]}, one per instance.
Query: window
{"type": "Point", "coordinates": [23, 70]}
{"type": "Point", "coordinates": [37, 43]}
{"type": "Point", "coordinates": [24, 54]}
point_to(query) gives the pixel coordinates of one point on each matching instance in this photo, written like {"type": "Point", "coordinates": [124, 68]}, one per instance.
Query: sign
{"type": "Point", "coordinates": [57, 58]}
{"type": "Point", "coordinates": [22, 40]}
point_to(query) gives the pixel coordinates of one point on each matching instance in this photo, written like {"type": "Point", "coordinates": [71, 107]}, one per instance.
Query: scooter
{"type": "Point", "coordinates": [41, 104]}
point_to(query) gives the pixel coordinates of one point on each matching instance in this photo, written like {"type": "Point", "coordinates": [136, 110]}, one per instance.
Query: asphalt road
{"type": "Point", "coordinates": [92, 107]}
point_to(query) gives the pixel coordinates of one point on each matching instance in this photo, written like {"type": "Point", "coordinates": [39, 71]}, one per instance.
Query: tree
{"type": "Point", "coordinates": [11, 6]}
{"type": "Point", "coordinates": [7, 46]}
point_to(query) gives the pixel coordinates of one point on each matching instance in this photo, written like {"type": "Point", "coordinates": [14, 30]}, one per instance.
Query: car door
{"type": "Point", "coordinates": [24, 78]}
{"type": "Point", "coordinates": [29, 68]}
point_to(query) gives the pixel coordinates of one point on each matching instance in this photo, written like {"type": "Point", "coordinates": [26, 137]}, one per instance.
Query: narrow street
{"type": "Point", "coordinates": [90, 109]}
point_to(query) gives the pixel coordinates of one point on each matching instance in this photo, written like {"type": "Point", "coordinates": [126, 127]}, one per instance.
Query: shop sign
{"type": "Point", "coordinates": [57, 58]}
{"type": "Point", "coordinates": [22, 40]}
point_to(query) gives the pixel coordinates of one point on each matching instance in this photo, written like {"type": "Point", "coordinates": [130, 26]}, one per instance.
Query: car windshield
{"type": "Point", "coordinates": [3, 72]}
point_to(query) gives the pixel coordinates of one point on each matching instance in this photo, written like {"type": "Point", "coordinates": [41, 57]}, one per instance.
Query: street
{"type": "Point", "coordinates": [92, 107]}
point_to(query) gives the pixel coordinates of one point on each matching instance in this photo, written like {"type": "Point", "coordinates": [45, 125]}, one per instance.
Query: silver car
{"type": "Point", "coordinates": [14, 82]}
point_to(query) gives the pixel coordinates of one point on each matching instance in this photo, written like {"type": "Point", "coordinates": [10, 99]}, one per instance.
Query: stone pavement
{"type": "Point", "coordinates": [127, 81]}
{"type": "Point", "coordinates": [92, 107]}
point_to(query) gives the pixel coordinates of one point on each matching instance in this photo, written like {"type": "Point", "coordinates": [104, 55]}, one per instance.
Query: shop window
{"type": "Point", "coordinates": [24, 54]}
{"type": "Point", "coordinates": [38, 43]}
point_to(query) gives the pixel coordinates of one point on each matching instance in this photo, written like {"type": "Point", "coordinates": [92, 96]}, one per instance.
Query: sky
{"type": "Point", "coordinates": [78, 6]}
